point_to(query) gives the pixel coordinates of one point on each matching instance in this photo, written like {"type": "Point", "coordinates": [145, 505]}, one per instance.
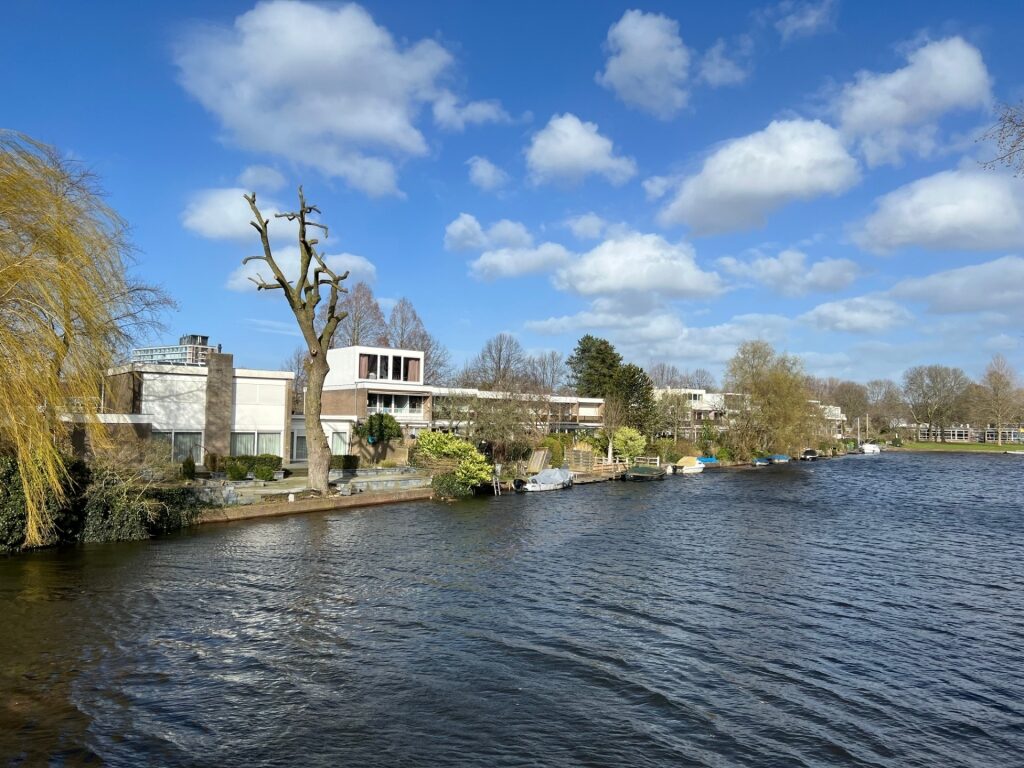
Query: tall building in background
{"type": "Point", "coordinates": [191, 349]}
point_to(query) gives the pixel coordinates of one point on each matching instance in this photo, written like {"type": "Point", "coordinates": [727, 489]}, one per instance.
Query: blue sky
{"type": "Point", "coordinates": [674, 177]}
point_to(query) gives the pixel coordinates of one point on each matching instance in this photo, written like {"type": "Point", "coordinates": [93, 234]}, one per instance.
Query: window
{"type": "Point", "coordinates": [188, 444]}
{"type": "Point", "coordinates": [243, 443]}
{"type": "Point", "coordinates": [299, 449]}
{"type": "Point", "coordinates": [382, 368]}
{"type": "Point", "coordinates": [396, 367]}
{"type": "Point", "coordinates": [339, 443]}
{"type": "Point", "coordinates": [269, 442]}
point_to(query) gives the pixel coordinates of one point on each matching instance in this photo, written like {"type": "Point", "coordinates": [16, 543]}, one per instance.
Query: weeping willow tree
{"type": "Point", "coordinates": [67, 308]}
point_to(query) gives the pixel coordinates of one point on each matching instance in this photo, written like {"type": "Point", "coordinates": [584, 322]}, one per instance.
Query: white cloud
{"type": "Point", "coordinates": [261, 178]}
{"type": "Point", "coordinates": [322, 86]}
{"type": "Point", "coordinates": [994, 285]}
{"type": "Point", "coordinates": [747, 178]}
{"type": "Point", "coordinates": [888, 113]}
{"type": "Point", "coordinates": [449, 114]}
{"type": "Point", "coordinates": [658, 333]}
{"type": "Point", "coordinates": [587, 226]}
{"type": "Point", "coordinates": [965, 209]}
{"type": "Point", "coordinates": [719, 67]}
{"type": "Point", "coordinates": [789, 274]}
{"type": "Point", "coordinates": [636, 262]}
{"type": "Point", "coordinates": [485, 174]}
{"type": "Point", "coordinates": [656, 187]}
{"type": "Point", "coordinates": [805, 19]}
{"type": "Point", "coordinates": [513, 262]}
{"type": "Point", "coordinates": [862, 314]}
{"type": "Point", "coordinates": [647, 63]}
{"type": "Point", "coordinates": [287, 259]}
{"type": "Point", "coordinates": [223, 214]}
{"type": "Point", "coordinates": [569, 150]}
{"type": "Point", "coordinates": [466, 234]}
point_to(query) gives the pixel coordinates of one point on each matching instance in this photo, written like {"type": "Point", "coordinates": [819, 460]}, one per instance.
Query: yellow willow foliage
{"type": "Point", "coordinates": [62, 289]}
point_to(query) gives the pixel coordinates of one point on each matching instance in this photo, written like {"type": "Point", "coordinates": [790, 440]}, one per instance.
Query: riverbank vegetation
{"type": "Point", "coordinates": [68, 306]}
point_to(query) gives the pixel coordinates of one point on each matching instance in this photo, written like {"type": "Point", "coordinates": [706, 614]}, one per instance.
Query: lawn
{"type": "Point", "coordinates": [961, 447]}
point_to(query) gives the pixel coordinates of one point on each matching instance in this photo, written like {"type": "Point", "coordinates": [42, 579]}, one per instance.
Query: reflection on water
{"type": "Point", "coordinates": [864, 611]}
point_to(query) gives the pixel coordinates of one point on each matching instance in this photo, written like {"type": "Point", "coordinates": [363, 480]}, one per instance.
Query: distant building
{"type": "Point", "coordinates": [190, 350]}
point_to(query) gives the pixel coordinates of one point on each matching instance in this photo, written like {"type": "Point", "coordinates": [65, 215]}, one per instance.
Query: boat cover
{"type": "Point", "coordinates": [552, 477]}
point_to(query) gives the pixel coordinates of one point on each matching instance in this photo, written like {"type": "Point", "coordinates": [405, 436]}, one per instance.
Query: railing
{"type": "Point", "coordinates": [414, 412]}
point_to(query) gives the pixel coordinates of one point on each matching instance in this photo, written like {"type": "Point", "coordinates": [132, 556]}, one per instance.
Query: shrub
{"type": "Point", "coordinates": [263, 472]}
{"type": "Point", "coordinates": [212, 462]}
{"type": "Point", "coordinates": [388, 464]}
{"type": "Point", "coordinates": [235, 470]}
{"type": "Point", "coordinates": [344, 462]}
{"type": "Point", "coordinates": [379, 429]}
{"type": "Point", "coordinates": [669, 450]}
{"type": "Point", "coordinates": [554, 445]}
{"type": "Point", "coordinates": [458, 457]}
{"type": "Point", "coordinates": [114, 510]}
{"type": "Point", "coordinates": [628, 442]}
{"type": "Point", "coordinates": [188, 468]}
{"type": "Point", "coordinates": [723, 453]}
{"type": "Point", "coordinates": [66, 515]}
{"type": "Point", "coordinates": [171, 509]}
{"type": "Point", "coordinates": [448, 486]}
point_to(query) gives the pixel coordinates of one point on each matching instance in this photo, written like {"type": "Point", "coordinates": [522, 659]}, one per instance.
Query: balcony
{"type": "Point", "coordinates": [398, 413]}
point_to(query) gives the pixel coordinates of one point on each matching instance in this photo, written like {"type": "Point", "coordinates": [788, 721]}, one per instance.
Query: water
{"type": "Point", "coordinates": [867, 611]}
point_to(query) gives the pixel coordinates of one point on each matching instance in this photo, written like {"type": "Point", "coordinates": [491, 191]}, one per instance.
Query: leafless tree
{"type": "Point", "coordinates": [296, 363]}
{"type": "Point", "coordinates": [699, 378]}
{"type": "Point", "coordinates": [501, 364]}
{"type": "Point", "coordinates": [999, 395]}
{"type": "Point", "coordinates": [665, 376]}
{"type": "Point", "coordinates": [546, 372]}
{"type": "Point", "coordinates": [934, 393]}
{"type": "Point", "coordinates": [303, 295]}
{"type": "Point", "coordinates": [405, 330]}
{"type": "Point", "coordinates": [363, 321]}
{"type": "Point", "coordinates": [1008, 134]}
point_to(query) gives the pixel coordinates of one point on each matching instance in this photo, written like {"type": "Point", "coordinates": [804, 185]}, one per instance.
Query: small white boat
{"type": "Point", "coordinates": [870, 448]}
{"type": "Point", "coordinates": [1014, 453]}
{"type": "Point", "coordinates": [547, 480]}
{"type": "Point", "coordinates": [688, 465]}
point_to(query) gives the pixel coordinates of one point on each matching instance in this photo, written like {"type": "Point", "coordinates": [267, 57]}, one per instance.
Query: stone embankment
{"type": "Point", "coordinates": [280, 507]}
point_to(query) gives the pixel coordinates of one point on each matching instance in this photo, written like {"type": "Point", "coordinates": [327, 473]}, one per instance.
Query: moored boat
{"type": "Point", "coordinates": [809, 455]}
{"type": "Point", "coordinates": [870, 448]}
{"type": "Point", "coordinates": [643, 472]}
{"type": "Point", "coordinates": [547, 480]}
{"type": "Point", "coordinates": [779, 458]}
{"type": "Point", "coordinates": [688, 465]}
{"type": "Point", "coordinates": [760, 461]}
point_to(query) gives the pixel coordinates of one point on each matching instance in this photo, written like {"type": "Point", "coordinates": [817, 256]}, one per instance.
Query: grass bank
{"type": "Point", "coordinates": [960, 447]}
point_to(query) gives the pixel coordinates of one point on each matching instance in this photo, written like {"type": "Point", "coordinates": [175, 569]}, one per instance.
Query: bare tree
{"type": "Point", "coordinates": [699, 378]}
{"type": "Point", "coordinates": [1008, 134]}
{"type": "Point", "coordinates": [999, 395]}
{"type": "Point", "coordinates": [303, 294]}
{"type": "Point", "coordinates": [546, 372]}
{"type": "Point", "coordinates": [405, 330]}
{"type": "Point", "coordinates": [934, 393]}
{"type": "Point", "coordinates": [665, 376]}
{"type": "Point", "coordinates": [501, 364]}
{"type": "Point", "coordinates": [363, 321]}
{"type": "Point", "coordinates": [885, 403]}
{"type": "Point", "coordinates": [296, 363]}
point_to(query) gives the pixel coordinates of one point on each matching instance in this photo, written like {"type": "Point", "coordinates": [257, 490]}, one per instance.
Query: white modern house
{"type": "Point", "coordinates": [202, 409]}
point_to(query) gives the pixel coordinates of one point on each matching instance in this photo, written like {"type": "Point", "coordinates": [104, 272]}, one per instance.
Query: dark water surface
{"type": "Point", "coordinates": [862, 611]}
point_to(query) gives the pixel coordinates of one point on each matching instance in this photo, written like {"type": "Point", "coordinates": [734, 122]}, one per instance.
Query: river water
{"type": "Point", "coordinates": [865, 611]}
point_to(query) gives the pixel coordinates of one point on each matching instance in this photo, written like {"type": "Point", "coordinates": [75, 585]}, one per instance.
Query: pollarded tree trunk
{"type": "Point", "coordinates": [317, 449]}
{"type": "Point", "coordinates": [303, 295]}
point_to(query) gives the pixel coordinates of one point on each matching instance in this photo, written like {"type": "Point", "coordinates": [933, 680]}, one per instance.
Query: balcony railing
{"type": "Point", "coordinates": [416, 413]}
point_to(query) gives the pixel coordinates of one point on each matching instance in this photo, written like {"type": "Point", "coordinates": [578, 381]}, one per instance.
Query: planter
{"type": "Point", "coordinates": [279, 474]}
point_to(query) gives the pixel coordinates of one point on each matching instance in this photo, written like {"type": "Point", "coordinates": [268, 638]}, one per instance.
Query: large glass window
{"type": "Point", "coordinates": [188, 444]}
{"type": "Point", "coordinates": [269, 442]}
{"type": "Point", "coordinates": [382, 369]}
{"type": "Point", "coordinates": [243, 443]}
{"type": "Point", "coordinates": [339, 443]}
{"type": "Point", "coordinates": [299, 450]}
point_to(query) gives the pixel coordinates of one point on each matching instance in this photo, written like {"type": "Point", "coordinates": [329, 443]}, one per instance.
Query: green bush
{"type": "Point", "coordinates": [448, 486]}
{"type": "Point", "coordinates": [66, 515]}
{"type": "Point", "coordinates": [669, 450]}
{"type": "Point", "coordinates": [262, 472]}
{"type": "Point", "coordinates": [235, 470]}
{"type": "Point", "coordinates": [172, 509]}
{"type": "Point", "coordinates": [723, 453]}
{"type": "Point", "coordinates": [379, 429]}
{"type": "Point", "coordinates": [344, 462]}
{"type": "Point", "coordinates": [188, 468]}
{"type": "Point", "coordinates": [628, 442]}
{"type": "Point", "coordinates": [554, 445]}
{"type": "Point", "coordinates": [471, 468]}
